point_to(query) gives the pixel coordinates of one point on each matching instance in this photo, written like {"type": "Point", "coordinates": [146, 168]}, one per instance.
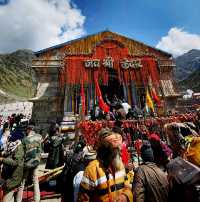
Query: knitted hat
{"type": "Point", "coordinates": [104, 132]}
{"type": "Point", "coordinates": [147, 152]}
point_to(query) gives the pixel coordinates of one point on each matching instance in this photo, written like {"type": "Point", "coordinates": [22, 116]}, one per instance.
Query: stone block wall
{"type": "Point", "coordinates": [48, 103]}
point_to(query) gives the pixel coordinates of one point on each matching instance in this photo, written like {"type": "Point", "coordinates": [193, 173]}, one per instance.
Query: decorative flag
{"type": "Point", "coordinates": [153, 92]}
{"type": "Point", "coordinates": [155, 97]}
{"type": "Point", "coordinates": [147, 108]}
{"type": "Point", "coordinates": [149, 101]}
{"type": "Point", "coordinates": [102, 104]}
{"type": "Point", "coordinates": [82, 98]}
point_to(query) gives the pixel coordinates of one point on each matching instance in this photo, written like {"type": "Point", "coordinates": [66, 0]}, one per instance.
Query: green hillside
{"type": "Point", "coordinates": [17, 78]}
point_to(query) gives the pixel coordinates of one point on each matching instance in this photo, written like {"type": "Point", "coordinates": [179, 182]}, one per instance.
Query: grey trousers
{"type": "Point", "coordinates": [9, 197]}
{"type": "Point", "coordinates": [35, 186]}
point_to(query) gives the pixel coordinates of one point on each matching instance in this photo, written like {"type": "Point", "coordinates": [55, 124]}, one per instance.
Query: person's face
{"type": "Point", "coordinates": [115, 139]}
{"type": "Point", "coordinates": [108, 117]}
{"type": "Point", "coordinates": [28, 131]}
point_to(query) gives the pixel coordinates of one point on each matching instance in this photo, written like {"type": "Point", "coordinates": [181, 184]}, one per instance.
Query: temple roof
{"type": "Point", "coordinates": [85, 45]}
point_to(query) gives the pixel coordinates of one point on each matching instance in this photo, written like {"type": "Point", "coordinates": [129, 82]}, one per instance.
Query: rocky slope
{"type": "Point", "coordinates": [17, 78]}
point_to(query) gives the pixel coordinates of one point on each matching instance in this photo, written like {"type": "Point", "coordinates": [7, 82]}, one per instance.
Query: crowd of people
{"type": "Point", "coordinates": [20, 158]}
{"type": "Point", "coordinates": [151, 167]}
{"type": "Point", "coordinates": [119, 110]}
{"type": "Point", "coordinates": [165, 169]}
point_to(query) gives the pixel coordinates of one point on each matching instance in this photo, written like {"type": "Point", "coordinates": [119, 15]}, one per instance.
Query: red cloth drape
{"type": "Point", "coordinates": [124, 154]}
{"type": "Point", "coordinates": [75, 68]}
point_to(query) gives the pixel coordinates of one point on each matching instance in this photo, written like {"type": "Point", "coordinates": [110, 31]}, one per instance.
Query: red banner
{"type": "Point", "coordinates": [102, 104]}
{"type": "Point", "coordinates": [96, 66]}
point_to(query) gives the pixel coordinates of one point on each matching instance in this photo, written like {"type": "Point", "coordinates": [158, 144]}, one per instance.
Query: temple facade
{"type": "Point", "coordinates": [122, 67]}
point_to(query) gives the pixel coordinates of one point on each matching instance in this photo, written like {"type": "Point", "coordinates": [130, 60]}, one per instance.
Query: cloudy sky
{"type": "Point", "coordinates": [171, 25]}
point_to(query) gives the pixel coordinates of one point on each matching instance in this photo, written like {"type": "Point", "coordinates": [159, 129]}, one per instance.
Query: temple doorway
{"type": "Point", "coordinates": [114, 87]}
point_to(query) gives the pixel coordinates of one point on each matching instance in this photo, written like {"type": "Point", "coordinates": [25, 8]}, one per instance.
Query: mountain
{"type": "Point", "coordinates": [186, 64]}
{"type": "Point", "coordinates": [191, 82]}
{"type": "Point", "coordinates": [17, 78]}
{"type": "Point", "coordinates": [187, 70]}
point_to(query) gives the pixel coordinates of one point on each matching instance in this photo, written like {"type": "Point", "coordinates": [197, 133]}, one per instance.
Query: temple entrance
{"type": "Point", "coordinates": [135, 96]}
{"type": "Point", "coordinates": [113, 88]}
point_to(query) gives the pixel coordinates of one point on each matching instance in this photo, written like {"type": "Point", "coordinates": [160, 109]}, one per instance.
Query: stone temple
{"type": "Point", "coordinates": [122, 66]}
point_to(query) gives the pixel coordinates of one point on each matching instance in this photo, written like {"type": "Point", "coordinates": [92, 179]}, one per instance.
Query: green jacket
{"type": "Point", "coordinates": [56, 152]}
{"type": "Point", "coordinates": [32, 148]}
{"type": "Point", "coordinates": [16, 163]}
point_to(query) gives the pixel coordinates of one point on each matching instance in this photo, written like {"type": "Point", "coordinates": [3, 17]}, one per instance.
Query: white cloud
{"type": "Point", "coordinates": [179, 41]}
{"type": "Point", "coordinates": [36, 24]}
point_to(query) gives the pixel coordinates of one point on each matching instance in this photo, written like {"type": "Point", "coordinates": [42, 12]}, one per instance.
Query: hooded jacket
{"type": "Point", "coordinates": [98, 185]}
